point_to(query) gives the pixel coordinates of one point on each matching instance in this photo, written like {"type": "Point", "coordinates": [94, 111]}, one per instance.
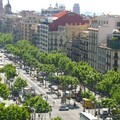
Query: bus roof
{"type": "Point", "coordinates": [88, 115]}
{"type": "Point", "coordinates": [86, 99]}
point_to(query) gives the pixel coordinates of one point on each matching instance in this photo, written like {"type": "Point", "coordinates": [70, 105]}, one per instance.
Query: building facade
{"type": "Point", "coordinates": [1, 8]}
{"type": "Point", "coordinates": [76, 8]}
{"type": "Point", "coordinates": [30, 19]}
{"type": "Point", "coordinates": [98, 31]}
{"type": "Point", "coordinates": [53, 35]}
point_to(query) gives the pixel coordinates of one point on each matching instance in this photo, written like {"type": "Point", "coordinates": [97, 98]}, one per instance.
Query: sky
{"type": "Point", "coordinates": [94, 6]}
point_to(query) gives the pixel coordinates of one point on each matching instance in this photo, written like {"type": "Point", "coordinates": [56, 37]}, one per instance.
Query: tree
{"type": "Point", "coordinates": [0, 79]}
{"type": "Point", "coordinates": [4, 91]}
{"type": "Point", "coordinates": [115, 93]}
{"type": "Point", "coordinates": [66, 82]}
{"type": "Point", "coordinates": [19, 84]}
{"type": "Point", "coordinates": [40, 105]}
{"type": "Point", "coordinates": [5, 39]}
{"type": "Point", "coordinates": [110, 79]}
{"type": "Point", "coordinates": [63, 62]}
{"type": "Point", "coordinates": [2, 112]}
{"type": "Point", "coordinates": [56, 118]}
{"type": "Point", "coordinates": [10, 71]}
{"type": "Point", "coordinates": [13, 112]}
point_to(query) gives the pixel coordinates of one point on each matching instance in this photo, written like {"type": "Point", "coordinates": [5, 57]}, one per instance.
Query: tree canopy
{"type": "Point", "coordinates": [13, 112]}
{"type": "Point", "coordinates": [4, 91]}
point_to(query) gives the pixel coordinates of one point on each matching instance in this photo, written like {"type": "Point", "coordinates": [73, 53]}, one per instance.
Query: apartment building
{"type": "Point", "coordinates": [77, 49]}
{"type": "Point", "coordinates": [29, 19]}
{"type": "Point", "coordinates": [54, 32]}
{"type": "Point", "coordinates": [109, 52]}
{"type": "Point", "coordinates": [99, 29]}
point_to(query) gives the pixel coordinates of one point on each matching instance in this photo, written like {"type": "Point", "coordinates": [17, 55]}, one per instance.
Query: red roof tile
{"type": "Point", "coordinates": [60, 14]}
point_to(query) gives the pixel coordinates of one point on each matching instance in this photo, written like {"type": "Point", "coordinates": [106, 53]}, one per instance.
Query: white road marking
{"type": "Point", "coordinates": [37, 86]}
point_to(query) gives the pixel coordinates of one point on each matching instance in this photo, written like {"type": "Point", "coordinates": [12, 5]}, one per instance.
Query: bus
{"type": "Point", "coordinates": [87, 103]}
{"type": "Point", "coordinates": [87, 116]}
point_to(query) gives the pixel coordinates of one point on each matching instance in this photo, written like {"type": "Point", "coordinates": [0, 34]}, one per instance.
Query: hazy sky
{"type": "Point", "coordinates": [97, 6]}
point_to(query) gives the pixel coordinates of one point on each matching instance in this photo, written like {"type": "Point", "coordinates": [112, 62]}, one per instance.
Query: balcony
{"type": "Point", "coordinates": [115, 65]}
{"type": "Point", "coordinates": [115, 57]}
{"type": "Point", "coordinates": [114, 44]}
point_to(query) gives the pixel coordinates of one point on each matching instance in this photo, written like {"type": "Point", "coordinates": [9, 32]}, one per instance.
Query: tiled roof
{"type": "Point", "coordinates": [60, 14]}
{"type": "Point", "coordinates": [66, 18]}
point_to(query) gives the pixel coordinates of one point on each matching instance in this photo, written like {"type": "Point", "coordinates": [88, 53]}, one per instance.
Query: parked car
{"type": "Point", "coordinates": [63, 108]}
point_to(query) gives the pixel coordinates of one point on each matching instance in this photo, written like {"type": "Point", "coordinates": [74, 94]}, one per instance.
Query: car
{"type": "Point", "coordinates": [63, 108]}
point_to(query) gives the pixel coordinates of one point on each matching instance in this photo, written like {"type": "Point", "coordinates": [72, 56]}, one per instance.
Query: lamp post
{"type": "Point", "coordinates": [33, 112]}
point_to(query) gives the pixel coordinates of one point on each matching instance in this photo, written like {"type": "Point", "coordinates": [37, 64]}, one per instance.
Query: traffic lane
{"type": "Point", "coordinates": [67, 115]}
{"type": "Point", "coordinates": [37, 88]}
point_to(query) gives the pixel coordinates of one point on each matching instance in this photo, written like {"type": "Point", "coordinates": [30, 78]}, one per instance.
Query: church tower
{"type": "Point", "coordinates": [8, 8]}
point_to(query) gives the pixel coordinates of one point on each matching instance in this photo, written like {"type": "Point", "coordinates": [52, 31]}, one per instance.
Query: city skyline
{"type": "Point", "coordinates": [94, 6]}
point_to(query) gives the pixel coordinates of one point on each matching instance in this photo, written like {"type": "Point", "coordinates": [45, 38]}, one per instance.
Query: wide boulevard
{"type": "Point", "coordinates": [54, 101]}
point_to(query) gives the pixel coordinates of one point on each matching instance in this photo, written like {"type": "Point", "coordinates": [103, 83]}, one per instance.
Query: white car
{"type": "Point", "coordinates": [63, 108]}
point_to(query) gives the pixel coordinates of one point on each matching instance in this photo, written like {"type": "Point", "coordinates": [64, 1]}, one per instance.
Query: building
{"type": "Point", "coordinates": [99, 45]}
{"type": "Point", "coordinates": [109, 53]}
{"type": "Point", "coordinates": [52, 10]}
{"type": "Point", "coordinates": [8, 8]}
{"type": "Point", "coordinates": [53, 34]}
{"type": "Point", "coordinates": [29, 19]}
{"type": "Point", "coordinates": [10, 23]}
{"type": "Point", "coordinates": [100, 51]}
{"type": "Point", "coordinates": [1, 8]}
{"type": "Point", "coordinates": [77, 49]}
{"type": "Point", "coordinates": [76, 8]}
{"type": "Point", "coordinates": [98, 30]}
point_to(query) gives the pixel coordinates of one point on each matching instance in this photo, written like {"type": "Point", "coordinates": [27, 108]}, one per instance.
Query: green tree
{"type": "Point", "coordinates": [10, 71]}
{"type": "Point", "coordinates": [19, 84]}
{"type": "Point", "coordinates": [2, 112]}
{"type": "Point", "coordinates": [13, 112]}
{"type": "Point", "coordinates": [4, 91]}
{"type": "Point", "coordinates": [5, 39]}
{"type": "Point", "coordinates": [66, 82]}
{"type": "Point", "coordinates": [56, 118]}
{"type": "Point", "coordinates": [40, 105]}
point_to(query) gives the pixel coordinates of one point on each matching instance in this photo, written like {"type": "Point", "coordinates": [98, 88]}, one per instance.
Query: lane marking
{"type": "Point", "coordinates": [36, 85]}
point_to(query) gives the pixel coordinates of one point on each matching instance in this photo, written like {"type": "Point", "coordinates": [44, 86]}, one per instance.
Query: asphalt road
{"type": "Point", "coordinates": [72, 114]}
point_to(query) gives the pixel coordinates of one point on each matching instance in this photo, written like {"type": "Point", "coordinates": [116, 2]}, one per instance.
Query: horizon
{"type": "Point", "coordinates": [86, 6]}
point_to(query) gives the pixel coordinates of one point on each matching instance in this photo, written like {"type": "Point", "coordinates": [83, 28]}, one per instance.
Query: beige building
{"type": "Point", "coordinates": [77, 49]}
{"type": "Point", "coordinates": [29, 19]}
{"type": "Point", "coordinates": [74, 30]}
{"type": "Point", "coordinates": [98, 31]}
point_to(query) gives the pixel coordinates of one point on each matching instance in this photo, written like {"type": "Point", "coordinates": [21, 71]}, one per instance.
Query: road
{"type": "Point", "coordinates": [72, 114]}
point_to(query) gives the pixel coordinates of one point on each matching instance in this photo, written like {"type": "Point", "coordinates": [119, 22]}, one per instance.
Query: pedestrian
{"type": "Point", "coordinates": [46, 97]}
{"type": "Point", "coordinates": [96, 113]}
{"type": "Point", "coordinates": [74, 104]}
{"type": "Point", "coordinates": [53, 102]}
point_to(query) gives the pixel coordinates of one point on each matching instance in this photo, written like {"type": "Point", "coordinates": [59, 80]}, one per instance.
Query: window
{"type": "Point", "coordinates": [118, 24]}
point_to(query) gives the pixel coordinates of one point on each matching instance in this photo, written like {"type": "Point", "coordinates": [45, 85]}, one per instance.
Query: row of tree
{"type": "Point", "coordinates": [56, 61]}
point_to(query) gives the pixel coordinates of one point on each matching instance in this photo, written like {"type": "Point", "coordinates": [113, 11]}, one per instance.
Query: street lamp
{"type": "Point", "coordinates": [33, 112]}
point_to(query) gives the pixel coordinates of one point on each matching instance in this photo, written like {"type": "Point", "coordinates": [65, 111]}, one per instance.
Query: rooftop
{"type": "Point", "coordinates": [60, 14]}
